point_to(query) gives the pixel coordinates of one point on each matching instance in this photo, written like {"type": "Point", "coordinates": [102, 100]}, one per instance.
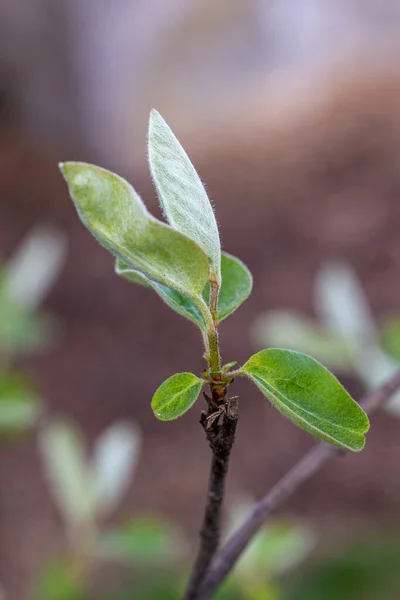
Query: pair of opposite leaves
{"type": "Point", "coordinates": [178, 261]}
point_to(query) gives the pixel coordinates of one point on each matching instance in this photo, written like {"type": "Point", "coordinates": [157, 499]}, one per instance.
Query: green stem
{"type": "Point", "coordinates": [214, 358]}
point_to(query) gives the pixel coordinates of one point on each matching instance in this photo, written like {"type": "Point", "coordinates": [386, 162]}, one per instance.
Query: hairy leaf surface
{"type": "Point", "coordinates": [236, 285]}
{"type": "Point", "coordinates": [175, 300]}
{"type": "Point", "coordinates": [114, 213]}
{"type": "Point", "coordinates": [181, 193]}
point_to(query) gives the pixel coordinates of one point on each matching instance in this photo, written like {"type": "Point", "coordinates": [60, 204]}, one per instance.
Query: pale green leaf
{"type": "Point", "coordinates": [181, 193]}
{"type": "Point", "coordinates": [19, 405]}
{"type": "Point", "coordinates": [175, 300]}
{"type": "Point", "coordinates": [236, 285]}
{"type": "Point", "coordinates": [67, 470]}
{"type": "Point", "coordinates": [309, 395]}
{"type": "Point", "coordinates": [115, 457]}
{"type": "Point", "coordinates": [113, 212]}
{"type": "Point", "coordinates": [288, 329]}
{"type": "Point", "coordinates": [139, 541]}
{"type": "Point", "coordinates": [342, 305]}
{"type": "Point", "coordinates": [176, 395]}
{"type": "Point", "coordinates": [34, 267]}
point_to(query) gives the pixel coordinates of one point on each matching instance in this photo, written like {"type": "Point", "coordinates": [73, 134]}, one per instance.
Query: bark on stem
{"type": "Point", "coordinates": [310, 464]}
{"type": "Point", "coordinates": [219, 424]}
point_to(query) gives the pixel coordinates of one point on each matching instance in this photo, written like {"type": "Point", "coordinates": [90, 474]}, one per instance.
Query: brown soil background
{"type": "Point", "coordinates": [288, 197]}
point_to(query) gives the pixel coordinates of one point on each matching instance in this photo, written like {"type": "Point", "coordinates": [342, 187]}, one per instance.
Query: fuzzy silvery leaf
{"type": "Point", "coordinates": [288, 329]}
{"type": "Point", "coordinates": [33, 269]}
{"type": "Point", "coordinates": [66, 467]}
{"type": "Point", "coordinates": [114, 213]}
{"type": "Point", "coordinates": [342, 305]}
{"type": "Point", "coordinates": [309, 395]}
{"type": "Point", "coordinates": [174, 299]}
{"type": "Point", "coordinates": [175, 396]}
{"type": "Point", "coordinates": [236, 285]}
{"type": "Point", "coordinates": [115, 458]}
{"type": "Point", "coordinates": [181, 193]}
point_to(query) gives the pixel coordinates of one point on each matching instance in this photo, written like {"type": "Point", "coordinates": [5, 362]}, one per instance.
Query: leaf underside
{"type": "Point", "coordinates": [181, 193]}
{"type": "Point", "coordinates": [174, 299]}
{"type": "Point", "coordinates": [310, 396]}
{"type": "Point", "coordinates": [235, 288]}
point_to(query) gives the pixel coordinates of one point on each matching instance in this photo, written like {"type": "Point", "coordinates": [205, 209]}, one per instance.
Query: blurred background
{"type": "Point", "coordinates": [290, 112]}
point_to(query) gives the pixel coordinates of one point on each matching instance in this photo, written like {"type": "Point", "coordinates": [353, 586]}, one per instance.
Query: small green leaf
{"type": "Point", "coordinates": [113, 212]}
{"type": "Point", "coordinates": [229, 366]}
{"type": "Point", "coordinates": [176, 395]}
{"type": "Point", "coordinates": [140, 541]}
{"type": "Point", "coordinates": [309, 395]}
{"type": "Point", "coordinates": [19, 405]}
{"type": "Point", "coordinates": [175, 300]}
{"type": "Point", "coordinates": [236, 285]}
{"type": "Point", "coordinates": [181, 193]}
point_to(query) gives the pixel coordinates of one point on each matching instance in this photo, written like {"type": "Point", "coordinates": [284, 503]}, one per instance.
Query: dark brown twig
{"type": "Point", "coordinates": [310, 464]}
{"type": "Point", "coordinates": [219, 424]}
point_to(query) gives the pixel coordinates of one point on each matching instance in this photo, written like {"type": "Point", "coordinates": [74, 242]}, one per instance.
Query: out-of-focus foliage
{"type": "Point", "coordinates": [25, 280]}
{"type": "Point", "coordinates": [87, 488]}
{"type": "Point", "coordinates": [139, 541]}
{"type": "Point", "coordinates": [345, 336]}
{"type": "Point", "coordinates": [278, 548]}
{"type": "Point", "coordinates": [364, 570]}
{"type": "Point", "coordinates": [20, 407]}
{"type": "Point", "coordinates": [58, 581]}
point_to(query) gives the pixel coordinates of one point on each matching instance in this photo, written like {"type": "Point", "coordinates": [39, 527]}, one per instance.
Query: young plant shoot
{"type": "Point", "coordinates": [182, 261]}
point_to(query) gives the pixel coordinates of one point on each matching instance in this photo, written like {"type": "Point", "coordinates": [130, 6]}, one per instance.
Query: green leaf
{"type": "Point", "coordinates": [19, 405]}
{"type": "Point", "coordinates": [140, 541]}
{"type": "Point", "coordinates": [68, 472]}
{"type": "Point", "coordinates": [113, 212]}
{"type": "Point", "coordinates": [175, 300]}
{"type": "Point", "coordinates": [309, 395]}
{"type": "Point", "coordinates": [176, 395]}
{"type": "Point", "coordinates": [235, 288]}
{"type": "Point", "coordinates": [181, 193]}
